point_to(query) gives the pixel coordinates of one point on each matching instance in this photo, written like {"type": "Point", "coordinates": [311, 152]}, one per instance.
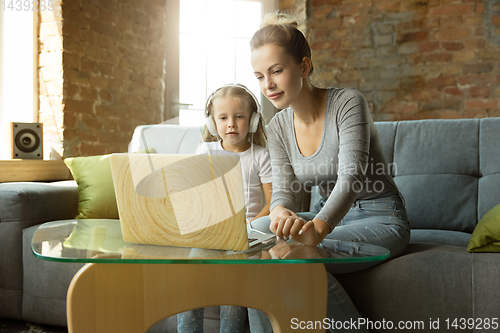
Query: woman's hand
{"type": "Point", "coordinates": [279, 212]}
{"type": "Point", "coordinates": [291, 250]}
{"type": "Point", "coordinates": [306, 232]}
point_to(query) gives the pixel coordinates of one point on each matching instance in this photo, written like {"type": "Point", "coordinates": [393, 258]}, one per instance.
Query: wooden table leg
{"type": "Point", "coordinates": [133, 297]}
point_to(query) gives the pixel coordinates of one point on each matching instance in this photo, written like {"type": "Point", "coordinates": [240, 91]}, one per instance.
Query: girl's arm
{"type": "Point", "coordinates": [268, 191]}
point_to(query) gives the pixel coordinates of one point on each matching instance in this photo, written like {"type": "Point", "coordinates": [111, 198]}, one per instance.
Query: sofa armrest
{"type": "Point", "coordinates": [32, 203]}
{"type": "Point", "coordinates": [22, 205]}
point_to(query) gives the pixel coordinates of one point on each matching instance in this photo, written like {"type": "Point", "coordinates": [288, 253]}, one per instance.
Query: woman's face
{"type": "Point", "coordinates": [280, 76]}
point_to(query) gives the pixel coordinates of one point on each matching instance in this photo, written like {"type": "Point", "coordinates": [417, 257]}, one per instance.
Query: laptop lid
{"type": "Point", "coordinates": [181, 200]}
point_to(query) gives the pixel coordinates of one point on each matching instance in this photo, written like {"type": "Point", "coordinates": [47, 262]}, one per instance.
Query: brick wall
{"type": "Point", "coordinates": [297, 7]}
{"type": "Point", "coordinates": [102, 63]}
{"type": "Point", "coordinates": [101, 73]}
{"type": "Point", "coordinates": [412, 59]}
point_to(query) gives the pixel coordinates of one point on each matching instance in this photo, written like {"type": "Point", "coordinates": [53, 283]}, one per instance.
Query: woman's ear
{"type": "Point", "coordinates": [306, 66]}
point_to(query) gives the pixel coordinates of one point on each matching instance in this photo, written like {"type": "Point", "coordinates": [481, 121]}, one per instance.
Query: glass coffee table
{"type": "Point", "coordinates": [129, 287]}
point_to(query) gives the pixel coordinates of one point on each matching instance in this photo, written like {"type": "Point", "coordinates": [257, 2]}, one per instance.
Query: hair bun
{"type": "Point", "coordinates": [279, 18]}
{"type": "Point", "coordinates": [285, 30]}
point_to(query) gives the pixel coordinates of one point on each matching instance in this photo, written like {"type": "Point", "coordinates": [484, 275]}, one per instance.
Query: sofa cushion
{"type": "Point", "coordinates": [489, 137]}
{"type": "Point", "coordinates": [33, 203]}
{"type": "Point", "coordinates": [431, 280]}
{"type": "Point", "coordinates": [440, 201]}
{"type": "Point", "coordinates": [387, 135]}
{"type": "Point", "coordinates": [95, 187]}
{"type": "Point", "coordinates": [437, 147]}
{"type": "Point", "coordinates": [436, 167]}
{"type": "Point", "coordinates": [486, 236]}
{"type": "Point", "coordinates": [447, 237]}
{"type": "Point", "coordinates": [489, 164]}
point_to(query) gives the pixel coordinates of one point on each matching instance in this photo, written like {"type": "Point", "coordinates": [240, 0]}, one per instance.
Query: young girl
{"type": "Point", "coordinates": [327, 138]}
{"type": "Point", "coordinates": [234, 124]}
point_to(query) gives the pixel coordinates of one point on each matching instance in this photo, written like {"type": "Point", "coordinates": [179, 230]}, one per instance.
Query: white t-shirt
{"type": "Point", "coordinates": [260, 173]}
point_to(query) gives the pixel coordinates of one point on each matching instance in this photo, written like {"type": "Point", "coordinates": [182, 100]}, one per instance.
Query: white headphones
{"type": "Point", "coordinates": [254, 118]}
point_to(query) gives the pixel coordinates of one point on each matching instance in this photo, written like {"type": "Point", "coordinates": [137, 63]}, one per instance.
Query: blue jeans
{"type": "Point", "coordinates": [381, 221]}
{"type": "Point", "coordinates": [232, 319]}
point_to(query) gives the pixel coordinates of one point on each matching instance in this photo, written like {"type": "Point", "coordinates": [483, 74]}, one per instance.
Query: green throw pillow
{"type": "Point", "coordinates": [95, 187]}
{"type": "Point", "coordinates": [486, 235]}
{"type": "Point", "coordinates": [96, 235]}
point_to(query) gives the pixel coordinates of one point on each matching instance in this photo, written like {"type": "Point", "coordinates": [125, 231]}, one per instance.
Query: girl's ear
{"type": "Point", "coordinates": [306, 66]}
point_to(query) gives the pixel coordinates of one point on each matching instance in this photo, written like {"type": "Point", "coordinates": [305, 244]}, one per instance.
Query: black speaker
{"type": "Point", "coordinates": [27, 141]}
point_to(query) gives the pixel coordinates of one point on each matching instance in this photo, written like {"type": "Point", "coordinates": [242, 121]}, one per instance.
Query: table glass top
{"type": "Point", "coordinates": [100, 241]}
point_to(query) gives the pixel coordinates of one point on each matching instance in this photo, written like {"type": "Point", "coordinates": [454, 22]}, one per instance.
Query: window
{"type": "Point", "coordinates": [214, 37]}
{"type": "Point", "coordinates": [18, 72]}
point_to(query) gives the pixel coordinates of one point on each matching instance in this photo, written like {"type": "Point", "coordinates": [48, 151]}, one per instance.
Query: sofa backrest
{"type": "Point", "coordinates": [166, 139]}
{"type": "Point", "coordinates": [447, 170]}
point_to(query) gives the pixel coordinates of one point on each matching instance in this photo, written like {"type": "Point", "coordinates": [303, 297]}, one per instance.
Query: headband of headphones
{"type": "Point", "coordinates": [254, 118]}
{"type": "Point", "coordinates": [238, 85]}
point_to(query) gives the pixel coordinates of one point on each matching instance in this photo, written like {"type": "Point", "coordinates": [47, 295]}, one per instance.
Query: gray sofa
{"type": "Point", "coordinates": [447, 170]}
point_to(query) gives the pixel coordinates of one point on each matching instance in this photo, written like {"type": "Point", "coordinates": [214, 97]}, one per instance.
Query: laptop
{"type": "Point", "coordinates": [183, 200]}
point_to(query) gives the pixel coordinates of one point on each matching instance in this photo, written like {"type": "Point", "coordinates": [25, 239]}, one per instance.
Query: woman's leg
{"type": "Point", "coordinates": [259, 323]}
{"type": "Point", "coordinates": [190, 321]}
{"type": "Point", "coordinates": [261, 224]}
{"type": "Point", "coordinates": [340, 309]}
{"type": "Point", "coordinates": [232, 318]}
{"type": "Point", "coordinates": [380, 221]}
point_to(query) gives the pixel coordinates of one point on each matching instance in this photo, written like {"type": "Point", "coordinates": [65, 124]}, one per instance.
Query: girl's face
{"type": "Point", "coordinates": [232, 119]}
{"type": "Point", "coordinates": [280, 76]}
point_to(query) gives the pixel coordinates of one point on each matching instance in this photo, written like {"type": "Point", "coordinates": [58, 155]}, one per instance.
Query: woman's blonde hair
{"type": "Point", "coordinates": [280, 28]}
{"type": "Point", "coordinates": [242, 93]}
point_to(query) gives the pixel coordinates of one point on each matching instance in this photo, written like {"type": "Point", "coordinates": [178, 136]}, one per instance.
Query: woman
{"type": "Point", "coordinates": [323, 137]}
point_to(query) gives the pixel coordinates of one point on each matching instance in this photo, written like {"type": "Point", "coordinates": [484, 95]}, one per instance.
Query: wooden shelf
{"type": "Point", "coordinates": [33, 170]}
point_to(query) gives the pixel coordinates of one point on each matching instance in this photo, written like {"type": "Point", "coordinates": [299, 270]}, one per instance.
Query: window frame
{"type": "Point", "coordinates": [5, 147]}
{"type": "Point", "coordinates": [172, 102]}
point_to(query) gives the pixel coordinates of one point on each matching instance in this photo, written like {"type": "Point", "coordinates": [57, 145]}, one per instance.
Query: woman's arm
{"type": "Point", "coordinates": [353, 121]}
{"type": "Point", "coordinates": [353, 125]}
{"type": "Point", "coordinates": [279, 212]}
{"type": "Point", "coordinates": [283, 174]}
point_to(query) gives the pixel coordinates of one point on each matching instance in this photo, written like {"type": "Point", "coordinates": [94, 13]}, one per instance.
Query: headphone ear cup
{"type": "Point", "coordinates": [254, 122]}
{"type": "Point", "coordinates": [210, 124]}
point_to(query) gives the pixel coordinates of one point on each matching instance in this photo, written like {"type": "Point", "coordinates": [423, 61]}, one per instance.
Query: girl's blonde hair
{"type": "Point", "coordinates": [236, 91]}
{"type": "Point", "coordinates": [281, 29]}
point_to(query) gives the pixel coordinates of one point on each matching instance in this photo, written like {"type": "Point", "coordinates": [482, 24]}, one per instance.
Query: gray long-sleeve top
{"type": "Point", "coordinates": [348, 165]}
